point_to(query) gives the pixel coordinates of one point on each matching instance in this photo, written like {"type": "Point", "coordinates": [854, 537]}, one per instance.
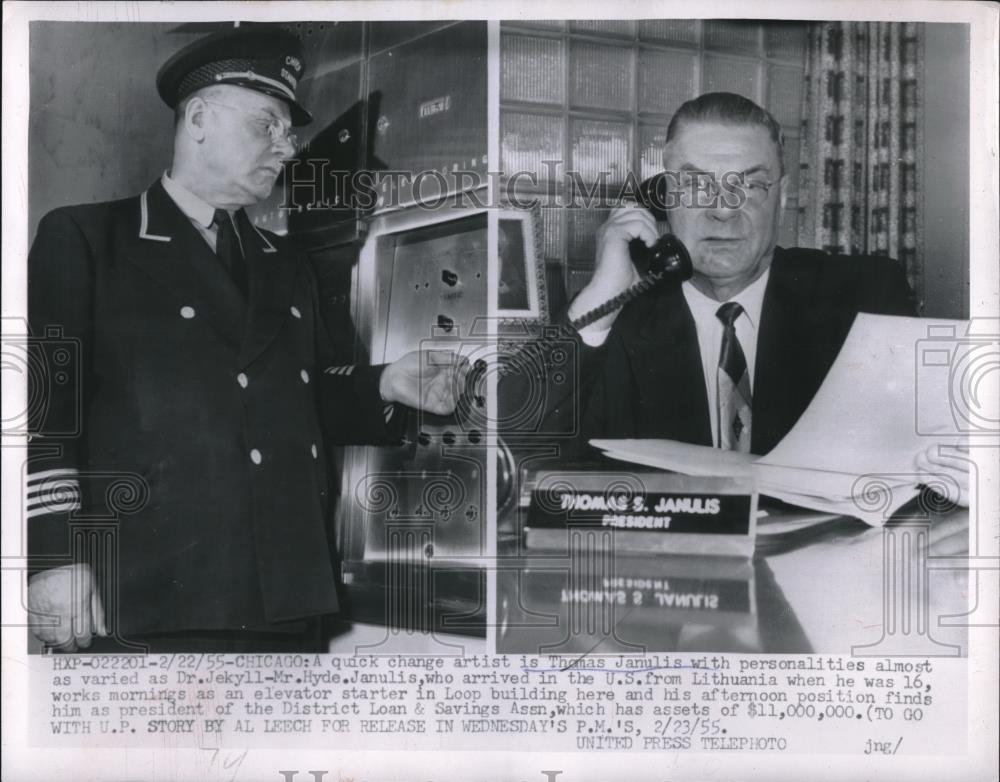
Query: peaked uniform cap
{"type": "Point", "coordinates": [261, 58]}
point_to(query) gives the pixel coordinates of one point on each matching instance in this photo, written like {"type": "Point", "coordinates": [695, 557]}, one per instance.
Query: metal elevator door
{"type": "Point", "coordinates": [423, 503]}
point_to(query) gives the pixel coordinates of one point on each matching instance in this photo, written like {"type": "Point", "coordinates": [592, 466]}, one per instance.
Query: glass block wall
{"type": "Point", "coordinates": [597, 96]}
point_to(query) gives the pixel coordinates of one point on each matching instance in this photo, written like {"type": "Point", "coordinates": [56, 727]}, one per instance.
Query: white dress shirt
{"type": "Point", "coordinates": [200, 213]}
{"type": "Point", "coordinates": [709, 329]}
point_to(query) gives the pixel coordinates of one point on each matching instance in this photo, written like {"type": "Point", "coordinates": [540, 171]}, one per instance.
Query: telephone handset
{"type": "Point", "coordinates": [667, 259]}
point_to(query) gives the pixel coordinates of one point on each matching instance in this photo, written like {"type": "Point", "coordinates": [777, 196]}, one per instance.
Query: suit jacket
{"type": "Point", "coordinates": [647, 381]}
{"type": "Point", "coordinates": [188, 420]}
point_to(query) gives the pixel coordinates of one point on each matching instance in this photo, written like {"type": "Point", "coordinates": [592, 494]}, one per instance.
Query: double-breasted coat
{"type": "Point", "coordinates": [218, 407]}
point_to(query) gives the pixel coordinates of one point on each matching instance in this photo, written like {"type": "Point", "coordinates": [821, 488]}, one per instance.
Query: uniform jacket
{"type": "Point", "coordinates": [647, 381]}
{"type": "Point", "coordinates": [210, 411]}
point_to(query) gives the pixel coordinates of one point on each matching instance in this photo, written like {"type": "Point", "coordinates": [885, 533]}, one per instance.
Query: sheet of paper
{"type": "Point", "coordinates": [826, 491]}
{"type": "Point", "coordinates": [677, 456]}
{"type": "Point", "coordinates": [882, 401]}
{"type": "Point", "coordinates": [823, 483]}
{"type": "Point", "coordinates": [846, 507]}
{"type": "Point", "coordinates": [705, 460]}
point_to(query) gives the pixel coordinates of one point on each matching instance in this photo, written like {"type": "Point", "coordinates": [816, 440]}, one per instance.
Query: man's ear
{"type": "Point", "coordinates": [783, 191]}
{"type": "Point", "coordinates": [194, 118]}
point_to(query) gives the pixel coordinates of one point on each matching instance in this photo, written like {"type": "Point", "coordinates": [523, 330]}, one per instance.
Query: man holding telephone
{"type": "Point", "coordinates": [733, 356]}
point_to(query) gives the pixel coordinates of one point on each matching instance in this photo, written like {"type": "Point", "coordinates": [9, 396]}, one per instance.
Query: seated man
{"type": "Point", "coordinates": [732, 357]}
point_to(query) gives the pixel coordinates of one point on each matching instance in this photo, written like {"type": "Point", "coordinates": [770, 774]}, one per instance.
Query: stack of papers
{"type": "Point", "coordinates": [852, 452]}
{"type": "Point", "coordinates": [822, 490]}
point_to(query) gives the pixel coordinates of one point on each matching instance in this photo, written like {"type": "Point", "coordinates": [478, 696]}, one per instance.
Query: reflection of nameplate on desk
{"type": "Point", "coordinates": [646, 512]}
{"type": "Point", "coordinates": [632, 604]}
{"type": "Point", "coordinates": [684, 589]}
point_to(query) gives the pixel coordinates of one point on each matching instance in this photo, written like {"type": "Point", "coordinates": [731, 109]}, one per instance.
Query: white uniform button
{"type": "Point", "coordinates": [304, 375]}
{"type": "Point", "coordinates": [255, 456]}
{"type": "Point", "coordinates": [295, 312]}
{"type": "Point", "coordinates": [242, 380]}
{"type": "Point", "coordinates": [315, 452]}
{"type": "Point", "coordinates": [187, 313]}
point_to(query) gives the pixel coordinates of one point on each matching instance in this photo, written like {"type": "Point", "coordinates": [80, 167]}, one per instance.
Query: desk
{"type": "Point", "coordinates": [360, 638]}
{"type": "Point", "coordinates": [824, 588]}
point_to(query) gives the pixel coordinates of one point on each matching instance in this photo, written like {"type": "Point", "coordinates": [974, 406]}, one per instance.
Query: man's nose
{"type": "Point", "coordinates": [720, 210]}
{"type": "Point", "coordinates": [729, 200]}
{"type": "Point", "coordinates": [714, 200]}
{"type": "Point", "coordinates": [284, 148]}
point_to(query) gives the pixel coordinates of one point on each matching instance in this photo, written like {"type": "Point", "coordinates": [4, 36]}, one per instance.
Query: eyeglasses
{"type": "Point", "coordinates": [703, 188]}
{"type": "Point", "coordinates": [758, 190]}
{"type": "Point", "coordinates": [272, 126]}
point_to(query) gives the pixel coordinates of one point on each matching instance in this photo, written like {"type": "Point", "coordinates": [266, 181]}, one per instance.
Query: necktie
{"type": "Point", "coordinates": [228, 250]}
{"type": "Point", "coordinates": [734, 397]}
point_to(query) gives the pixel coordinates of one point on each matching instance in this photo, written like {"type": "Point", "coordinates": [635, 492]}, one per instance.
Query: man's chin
{"type": "Point", "coordinates": [260, 191]}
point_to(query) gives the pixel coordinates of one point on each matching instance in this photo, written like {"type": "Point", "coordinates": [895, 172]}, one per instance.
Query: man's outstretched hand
{"type": "Point", "coordinates": [429, 380]}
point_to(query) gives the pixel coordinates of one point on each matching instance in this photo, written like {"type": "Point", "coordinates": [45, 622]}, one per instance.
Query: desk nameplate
{"type": "Point", "coordinates": [647, 512]}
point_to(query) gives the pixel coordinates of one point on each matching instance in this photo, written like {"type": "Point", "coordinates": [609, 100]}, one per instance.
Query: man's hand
{"type": "Point", "coordinates": [430, 380]}
{"type": "Point", "coordinates": [64, 608]}
{"type": "Point", "coordinates": [946, 473]}
{"type": "Point", "coordinates": [614, 271]}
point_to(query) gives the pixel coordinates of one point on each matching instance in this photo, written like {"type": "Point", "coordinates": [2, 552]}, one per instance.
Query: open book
{"type": "Point", "coordinates": [887, 397]}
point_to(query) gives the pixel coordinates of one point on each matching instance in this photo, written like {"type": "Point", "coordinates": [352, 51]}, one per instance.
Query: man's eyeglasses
{"type": "Point", "coordinates": [699, 188]}
{"type": "Point", "coordinates": [272, 126]}
{"type": "Point", "coordinates": [757, 190]}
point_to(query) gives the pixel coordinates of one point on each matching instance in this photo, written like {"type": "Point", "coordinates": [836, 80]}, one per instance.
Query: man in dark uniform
{"type": "Point", "coordinates": [207, 386]}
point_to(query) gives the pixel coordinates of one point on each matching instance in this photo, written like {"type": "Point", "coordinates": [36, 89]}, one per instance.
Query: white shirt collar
{"type": "Point", "coordinates": [190, 204]}
{"type": "Point", "coordinates": [751, 298]}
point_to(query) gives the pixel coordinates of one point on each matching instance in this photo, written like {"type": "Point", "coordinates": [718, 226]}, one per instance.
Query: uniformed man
{"type": "Point", "coordinates": [202, 386]}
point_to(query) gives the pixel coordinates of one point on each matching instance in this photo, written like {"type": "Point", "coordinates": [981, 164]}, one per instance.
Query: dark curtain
{"type": "Point", "coordinates": [861, 142]}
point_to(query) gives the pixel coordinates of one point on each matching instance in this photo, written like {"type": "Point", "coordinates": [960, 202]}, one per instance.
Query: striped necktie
{"type": "Point", "coordinates": [229, 250]}
{"type": "Point", "coordinates": [734, 399]}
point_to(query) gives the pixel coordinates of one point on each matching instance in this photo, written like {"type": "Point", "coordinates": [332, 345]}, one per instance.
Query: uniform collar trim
{"type": "Point", "coordinates": [191, 205]}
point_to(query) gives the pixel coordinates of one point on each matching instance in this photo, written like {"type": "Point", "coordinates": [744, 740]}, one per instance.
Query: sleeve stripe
{"type": "Point", "coordinates": [68, 472]}
{"type": "Point", "coordinates": [55, 495]}
{"type": "Point", "coordinates": [388, 411]}
{"type": "Point", "coordinates": [52, 491]}
{"type": "Point", "coordinates": [63, 487]}
{"type": "Point", "coordinates": [56, 507]}
{"type": "Point", "coordinates": [58, 492]}
{"type": "Point", "coordinates": [345, 370]}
